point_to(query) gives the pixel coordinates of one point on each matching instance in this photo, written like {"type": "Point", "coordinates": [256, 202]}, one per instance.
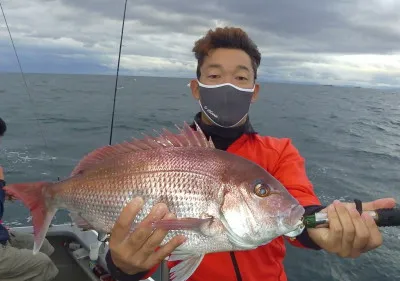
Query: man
{"type": "Point", "coordinates": [228, 55]}
{"type": "Point", "coordinates": [3, 128]}
{"type": "Point", "coordinates": [17, 261]}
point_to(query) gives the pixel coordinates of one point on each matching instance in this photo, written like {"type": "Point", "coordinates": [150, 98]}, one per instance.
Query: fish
{"type": "Point", "coordinates": [222, 201]}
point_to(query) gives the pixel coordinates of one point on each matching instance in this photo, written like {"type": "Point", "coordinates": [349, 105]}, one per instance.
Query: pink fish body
{"type": "Point", "coordinates": [222, 201]}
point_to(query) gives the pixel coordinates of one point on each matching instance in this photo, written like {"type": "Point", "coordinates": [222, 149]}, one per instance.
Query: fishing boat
{"type": "Point", "coordinates": [73, 250]}
{"type": "Point", "coordinates": [78, 254]}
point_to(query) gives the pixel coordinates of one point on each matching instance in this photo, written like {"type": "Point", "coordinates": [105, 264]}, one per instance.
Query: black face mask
{"type": "Point", "coordinates": [226, 105]}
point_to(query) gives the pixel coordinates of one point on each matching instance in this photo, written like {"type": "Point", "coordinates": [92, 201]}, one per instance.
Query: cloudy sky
{"type": "Point", "coordinates": [354, 42]}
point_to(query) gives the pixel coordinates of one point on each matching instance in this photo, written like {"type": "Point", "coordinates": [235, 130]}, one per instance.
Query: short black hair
{"type": "Point", "coordinates": [230, 38]}
{"type": "Point", "coordinates": [3, 127]}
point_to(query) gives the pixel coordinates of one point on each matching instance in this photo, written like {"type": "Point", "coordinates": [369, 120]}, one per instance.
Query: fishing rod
{"type": "Point", "coordinates": [41, 129]}
{"type": "Point", "coordinates": [116, 79]}
{"type": "Point", "coordinates": [102, 237]}
{"type": "Point", "coordinates": [382, 218]}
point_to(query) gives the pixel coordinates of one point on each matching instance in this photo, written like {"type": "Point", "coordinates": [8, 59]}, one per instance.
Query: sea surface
{"type": "Point", "coordinates": [350, 138]}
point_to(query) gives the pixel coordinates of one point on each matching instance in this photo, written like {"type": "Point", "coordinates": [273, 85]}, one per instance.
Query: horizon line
{"type": "Point", "coordinates": [261, 80]}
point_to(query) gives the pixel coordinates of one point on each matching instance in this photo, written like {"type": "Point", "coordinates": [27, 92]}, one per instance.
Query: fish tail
{"type": "Point", "coordinates": [33, 197]}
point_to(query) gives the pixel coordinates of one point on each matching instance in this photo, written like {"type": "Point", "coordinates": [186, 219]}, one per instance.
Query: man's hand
{"type": "Point", "coordinates": [349, 234]}
{"type": "Point", "coordinates": [136, 252]}
{"type": "Point", "coordinates": [1, 173]}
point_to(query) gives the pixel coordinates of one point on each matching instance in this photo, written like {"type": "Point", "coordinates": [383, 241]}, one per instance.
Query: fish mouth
{"type": "Point", "coordinates": [292, 217]}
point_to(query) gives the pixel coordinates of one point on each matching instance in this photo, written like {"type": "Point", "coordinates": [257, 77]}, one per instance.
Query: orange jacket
{"type": "Point", "coordinates": [280, 158]}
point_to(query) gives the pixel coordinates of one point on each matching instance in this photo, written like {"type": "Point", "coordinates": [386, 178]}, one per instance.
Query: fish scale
{"type": "Point", "coordinates": [175, 188]}
{"type": "Point", "coordinates": [222, 201]}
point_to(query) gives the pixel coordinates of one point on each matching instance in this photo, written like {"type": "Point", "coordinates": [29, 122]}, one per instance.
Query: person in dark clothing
{"type": "Point", "coordinates": [3, 232]}
{"type": "Point", "coordinates": [225, 87]}
{"type": "Point", "coordinates": [17, 261]}
{"type": "Point", "coordinates": [3, 127]}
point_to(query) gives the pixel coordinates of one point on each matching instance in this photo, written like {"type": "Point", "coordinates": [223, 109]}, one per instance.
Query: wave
{"type": "Point", "coordinates": [395, 122]}
{"type": "Point", "coordinates": [90, 129]}
{"type": "Point", "coordinates": [385, 126]}
{"type": "Point", "coordinates": [16, 162]}
{"type": "Point", "coordinates": [376, 155]}
{"type": "Point", "coordinates": [375, 109]}
{"type": "Point", "coordinates": [53, 119]}
{"type": "Point", "coordinates": [25, 156]}
{"type": "Point", "coordinates": [349, 132]}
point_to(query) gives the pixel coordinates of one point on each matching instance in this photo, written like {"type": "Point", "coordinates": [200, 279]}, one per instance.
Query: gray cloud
{"type": "Point", "coordinates": [306, 26]}
{"type": "Point", "coordinates": [299, 40]}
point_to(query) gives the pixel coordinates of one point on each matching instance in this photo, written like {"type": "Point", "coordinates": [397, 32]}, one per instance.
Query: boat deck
{"type": "Point", "coordinates": [69, 269]}
{"type": "Point", "coordinates": [75, 264]}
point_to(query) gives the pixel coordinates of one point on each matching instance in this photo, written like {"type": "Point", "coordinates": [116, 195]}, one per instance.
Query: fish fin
{"type": "Point", "coordinates": [32, 196]}
{"type": "Point", "coordinates": [186, 137]}
{"type": "Point", "coordinates": [183, 223]}
{"type": "Point", "coordinates": [80, 221]}
{"type": "Point", "coordinates": [208, 143]}
{"type": "Point", "coordinates": [184, 269]}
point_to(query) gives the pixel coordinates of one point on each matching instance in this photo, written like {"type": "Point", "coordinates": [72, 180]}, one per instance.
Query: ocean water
{"type": "Point", "coordinates": [350, 138]}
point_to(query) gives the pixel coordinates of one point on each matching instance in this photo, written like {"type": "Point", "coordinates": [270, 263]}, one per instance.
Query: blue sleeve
{"type": "Point", "coordinates": [2, 198]}
{"type": "Point", "coordinates": [118, 274]}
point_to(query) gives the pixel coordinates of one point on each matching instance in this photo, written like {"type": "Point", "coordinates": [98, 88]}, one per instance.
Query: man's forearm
{"type": "Point", "coordinates": [120, 275]}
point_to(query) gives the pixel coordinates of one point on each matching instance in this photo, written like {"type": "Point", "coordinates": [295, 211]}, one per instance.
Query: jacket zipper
{"type": "Point", "coordinates": [236, 266]}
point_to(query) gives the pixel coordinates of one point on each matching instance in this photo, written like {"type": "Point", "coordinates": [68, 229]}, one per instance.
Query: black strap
{"type": "Point", "coordinates": [236, 266]}
{"type": "Point", "coordinates": [358, 205]}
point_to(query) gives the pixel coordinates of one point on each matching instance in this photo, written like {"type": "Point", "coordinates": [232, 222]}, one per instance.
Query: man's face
{"type": "Point", "coordinates": [226, 66]}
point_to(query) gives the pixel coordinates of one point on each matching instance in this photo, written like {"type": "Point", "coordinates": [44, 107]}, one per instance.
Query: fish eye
{"type": "Point", "coordinates": [262, 190]}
